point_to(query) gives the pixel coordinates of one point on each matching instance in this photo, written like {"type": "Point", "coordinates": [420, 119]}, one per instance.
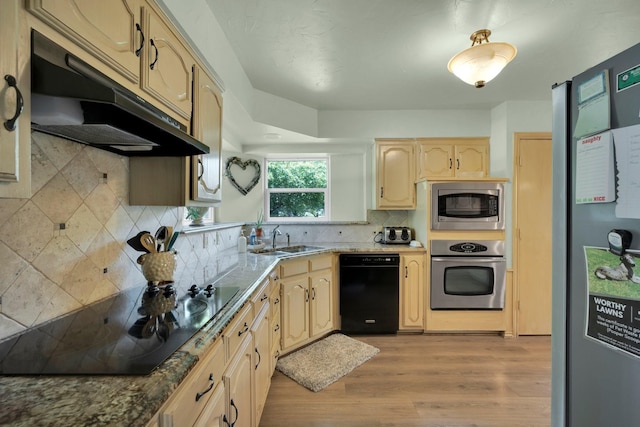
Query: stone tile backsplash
{"type": "Point", "coordinates": [65, 247]}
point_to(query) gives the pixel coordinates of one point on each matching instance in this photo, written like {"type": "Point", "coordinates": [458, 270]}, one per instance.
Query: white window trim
{"type": "Point", "coordinates": [268, 191]}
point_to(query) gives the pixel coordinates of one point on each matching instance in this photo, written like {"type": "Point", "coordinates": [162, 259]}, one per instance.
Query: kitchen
{"type": "Point", "coordinates": [86, 190]}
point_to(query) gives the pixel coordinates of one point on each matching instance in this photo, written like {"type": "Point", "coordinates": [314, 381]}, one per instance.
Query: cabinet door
{"type": "Point", "coordinates": [412, 286]}
{"type": "Point", "coordinates": [109, 30]}
{"type": "Point", "coordinates": [321, 303]}
{"type": "Point", "coordinates": [167, 66]}
{"type": "Point", "coordinates": [435, 160]}
{"type": "Point", "coordinates": [295, 310]}
{"type": "Point", "coordinates": [395, 175]}
{"type": "Point", "coordinates": [15, 142]}
{"type": "Point", "coordinates": [207, 128]}
{"type": "Point", "coordinates": [238, 381]}
{"type": "Point", "coordinates": [261, 359]}
{"type": "Point", "coordinates": [472, 161]}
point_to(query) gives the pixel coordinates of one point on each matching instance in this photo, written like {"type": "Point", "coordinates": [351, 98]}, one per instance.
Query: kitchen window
{"type": "Point", "coordinates": [297, 189]}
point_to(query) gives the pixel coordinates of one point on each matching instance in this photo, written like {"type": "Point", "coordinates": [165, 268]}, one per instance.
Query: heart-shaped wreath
{"type": "Point", "coordinates": [243, 164]}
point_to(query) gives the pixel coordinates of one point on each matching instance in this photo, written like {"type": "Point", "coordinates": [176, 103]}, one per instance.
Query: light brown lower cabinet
{"type": "Point", "coordinates": [307, 295]}
{"type": "Point", "coordinates": [193, 396]}
{"type": "Point", "coordinates": [412, 287]}
{"type": "Point", "coordinates": [238, 382]}
{"type": "Point", "coordinates": [261, 360]}
{"type": "Point", "coordinates": [214, 414]}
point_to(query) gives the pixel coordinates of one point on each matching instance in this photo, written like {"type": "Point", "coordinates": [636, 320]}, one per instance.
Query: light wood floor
{"type": "Point", "coordinates": [427, 381]}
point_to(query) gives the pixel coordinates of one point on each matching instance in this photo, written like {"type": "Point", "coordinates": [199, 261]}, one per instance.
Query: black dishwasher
{"type": "Point", "coordinates": [369, 292]}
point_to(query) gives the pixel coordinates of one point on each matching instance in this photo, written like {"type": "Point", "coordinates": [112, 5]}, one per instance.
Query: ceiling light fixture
{"type": "Point", "coordinates": [483, 61]}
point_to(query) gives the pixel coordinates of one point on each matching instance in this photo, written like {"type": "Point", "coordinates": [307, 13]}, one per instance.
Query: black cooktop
{"type": "Point", "coordinates": [130, 333]}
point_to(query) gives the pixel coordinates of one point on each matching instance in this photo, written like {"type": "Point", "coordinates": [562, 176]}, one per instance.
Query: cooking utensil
{"type": "Point", "coordinates": [136, 242]}
{"type": "Point", "coordinates": [169, 235]}
{"type": "Point", "coordinates": [148, 242]}
{"type": "Point", "coordinates": [161, 237]}
{"type": "Point", "coordinates": [172, 240]}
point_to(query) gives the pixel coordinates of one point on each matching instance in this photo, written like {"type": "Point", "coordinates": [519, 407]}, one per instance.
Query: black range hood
{"type": "Point", "coordinates": [73, 100]}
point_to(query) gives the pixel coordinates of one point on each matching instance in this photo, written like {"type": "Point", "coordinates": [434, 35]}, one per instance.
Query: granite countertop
{"type": "Point", "coordinates": [129, 400]}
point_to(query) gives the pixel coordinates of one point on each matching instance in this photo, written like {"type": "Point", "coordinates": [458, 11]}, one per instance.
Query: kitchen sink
{"type": "Point", "coordinates": [286, 250]}
{"type": "Point", "coordinates": [299, 248]}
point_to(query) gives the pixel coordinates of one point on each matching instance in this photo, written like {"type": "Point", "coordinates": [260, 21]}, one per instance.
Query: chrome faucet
{"type": "Point", "coordinates": [275, 233]}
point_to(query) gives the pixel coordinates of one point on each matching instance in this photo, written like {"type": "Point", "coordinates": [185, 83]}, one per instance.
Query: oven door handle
{"type": "Point", "coordinates": [468, 260]}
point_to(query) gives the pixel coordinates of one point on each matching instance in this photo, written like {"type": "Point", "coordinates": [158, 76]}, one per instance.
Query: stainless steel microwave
{"type": "Point", "coordinates": [467, 206]}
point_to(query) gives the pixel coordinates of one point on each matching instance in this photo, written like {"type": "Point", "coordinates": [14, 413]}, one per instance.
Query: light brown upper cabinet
{"type": "Point", "coordinates": [109, 30]}
{"type": "Point", "coordinates": [15, 135]}
{"type": "Point", "coordinates": [150, 58]}
{"type": "Point", "coordinates": [452, 158]}
{"type": "Point", "coordinates": [395, 175]}
{"type": "Point", "coordinates": [207, 127]}
{"type": "Point", "coordinates": [133, 38]}
{"type": "Point", "coordinates": [166, 65]}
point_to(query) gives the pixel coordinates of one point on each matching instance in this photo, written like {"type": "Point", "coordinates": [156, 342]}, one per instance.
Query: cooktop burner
{"type": "Point", "coordinates": [130, 333]}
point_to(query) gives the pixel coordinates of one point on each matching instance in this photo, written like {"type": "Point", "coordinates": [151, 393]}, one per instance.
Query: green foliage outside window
{"type": "Point", "coordinates": [308, 179]}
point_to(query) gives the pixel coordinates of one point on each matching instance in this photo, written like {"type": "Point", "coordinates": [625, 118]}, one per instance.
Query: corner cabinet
{"type": "Point", "coordinates": [183, 181]}
{"type": "Point", "coordinates": [452, 158]}
{"type": "Point", "coordinates": [15, 129]}
{"type": "Point", "coordinates": [395, 174]}
{"type": "Point", "coordinates": [412, 288]}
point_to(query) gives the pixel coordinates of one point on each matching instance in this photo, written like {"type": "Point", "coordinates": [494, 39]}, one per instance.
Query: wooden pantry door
{"type": "Point", "coordinates": [532, 210]}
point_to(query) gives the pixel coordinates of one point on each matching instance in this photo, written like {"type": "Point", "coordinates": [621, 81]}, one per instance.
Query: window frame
{"type": "Point", "coordinates": [268, 191]}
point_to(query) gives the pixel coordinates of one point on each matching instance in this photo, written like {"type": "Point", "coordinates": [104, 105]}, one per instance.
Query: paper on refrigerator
{"type": "Point", "coordinates": [595, 169]}
{"type": "Point", "coordinates": [627, 143]}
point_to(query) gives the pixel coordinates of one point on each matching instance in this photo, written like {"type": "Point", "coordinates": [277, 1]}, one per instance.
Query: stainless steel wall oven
{"type": "Point", "coordinates": [468, 275]}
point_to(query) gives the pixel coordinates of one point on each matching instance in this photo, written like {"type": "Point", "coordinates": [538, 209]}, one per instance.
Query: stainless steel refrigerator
{"type": "Point", "coordinates": [596, 299]}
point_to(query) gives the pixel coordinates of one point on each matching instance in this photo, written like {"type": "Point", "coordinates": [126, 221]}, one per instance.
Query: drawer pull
{"type": "Point", "coordinates": [276, 301]}
{"type": "Point", "coordinates": [259, 359]}
{"type": "Point", "coordinates": [264, 297]}
{"type": "Point", "coordinates": [277, 328]}
{"type": "Point", "coordinates": [10, 124]}
{"type": "Point", "coordinates": [244, 329]}
{"type": "Point", "coordinates": [202, 393]}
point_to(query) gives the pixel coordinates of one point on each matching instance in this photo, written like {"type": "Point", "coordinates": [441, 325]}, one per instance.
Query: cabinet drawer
{"type": "Point", "coordinates": [237, 330]}
{"type": "Point", "coordinates": [293, 268]}
{"type": "Point", "coordinates": [260, 297]}
{"type": "Point", "coordinates": [320, 262]}
{"type": "Point", "coordinates": [194, 393]}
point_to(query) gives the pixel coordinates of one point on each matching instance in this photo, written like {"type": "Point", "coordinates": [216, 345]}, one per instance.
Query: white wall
{"type": "Point", "coordinates": [506, 120]}
{"type": "Point", "coordinates": [349, 182]}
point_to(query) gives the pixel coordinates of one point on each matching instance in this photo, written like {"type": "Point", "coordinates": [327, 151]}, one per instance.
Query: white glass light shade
{"type": "Point", "coordinates": [479, 64]}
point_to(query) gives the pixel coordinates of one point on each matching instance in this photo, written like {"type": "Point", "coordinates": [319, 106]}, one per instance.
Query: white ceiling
{"type": "Point", "coordinates": [393, 54]}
